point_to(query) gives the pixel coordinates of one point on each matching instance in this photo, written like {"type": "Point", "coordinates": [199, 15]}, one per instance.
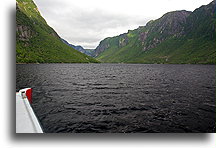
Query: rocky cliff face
{"type": "Point", "coordinates": [123, 40]}
{"type": "Point", "coordinates": [170, 24]}
{"type": "Point", "coordinates": [24, 32]}
{"type": "Point", "coordinates": [102, 47]}
{"type": "Point", "coordinates": [167, 34]}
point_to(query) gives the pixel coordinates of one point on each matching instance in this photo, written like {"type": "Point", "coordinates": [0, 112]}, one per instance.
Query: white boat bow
{"type": "Point", "coordinates": [26, 120]}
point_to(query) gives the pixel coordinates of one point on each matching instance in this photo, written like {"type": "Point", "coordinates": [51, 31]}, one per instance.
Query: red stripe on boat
{"type": "Point", "coordinates": [29, 94]}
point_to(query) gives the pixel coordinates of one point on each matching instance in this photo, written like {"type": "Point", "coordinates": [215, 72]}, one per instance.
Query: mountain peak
{"type": "Point", "coordinates": [172, 21]}
{"type": "Point", "coordinates": [177, 13]}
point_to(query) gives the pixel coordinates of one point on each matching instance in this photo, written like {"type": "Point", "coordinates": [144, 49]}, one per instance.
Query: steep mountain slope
{"type": "Point", "coordinates": [36, 42]}
{"type": "Point", "coordinates": [176, 37]}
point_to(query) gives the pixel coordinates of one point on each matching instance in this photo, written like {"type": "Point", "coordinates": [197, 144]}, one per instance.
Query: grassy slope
{"type": "Point", "coordinates": [45, 46]}
{"type": "Point", "coordinates": [197, 47]}
{"type": "Point", "coordinates": [194, 51]}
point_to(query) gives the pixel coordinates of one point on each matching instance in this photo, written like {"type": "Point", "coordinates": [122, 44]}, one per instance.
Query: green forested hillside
{"type": "Point", "coordinates": [36, 42]}
{"type": "Point", "coordinates": [176, 37]}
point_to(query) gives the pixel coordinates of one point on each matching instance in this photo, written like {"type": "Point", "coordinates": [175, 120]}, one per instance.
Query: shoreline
{"type": "Point", "coordinates": [125, 63]}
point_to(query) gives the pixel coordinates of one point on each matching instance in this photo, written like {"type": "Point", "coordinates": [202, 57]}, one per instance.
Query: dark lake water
{"type": "Point", "coordinates": [121, 98]}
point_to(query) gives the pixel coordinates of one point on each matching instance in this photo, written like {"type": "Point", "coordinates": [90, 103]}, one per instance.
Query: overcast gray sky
{"type": "Point", "coordinates": [87, 22]}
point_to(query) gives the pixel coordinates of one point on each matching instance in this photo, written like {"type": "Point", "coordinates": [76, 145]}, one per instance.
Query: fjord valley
{"type": "Point", "coordinates": [127, 92]}
{"type": "Point", "coordinates": [177, 37]}
{"type": "Point", "coordinates": [37, 42]}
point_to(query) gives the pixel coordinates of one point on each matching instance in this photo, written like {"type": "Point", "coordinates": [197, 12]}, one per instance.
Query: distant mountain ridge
{"type": "Point", "coordinates": [79, 48]}
{"type": "Point", "coordinates": [37, 42]}
{"type": "Point", "coordinates": [176, 37]}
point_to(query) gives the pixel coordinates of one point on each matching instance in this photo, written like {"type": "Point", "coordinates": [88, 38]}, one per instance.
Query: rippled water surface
{"type": "Point", "coordinates": [121, 97]}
